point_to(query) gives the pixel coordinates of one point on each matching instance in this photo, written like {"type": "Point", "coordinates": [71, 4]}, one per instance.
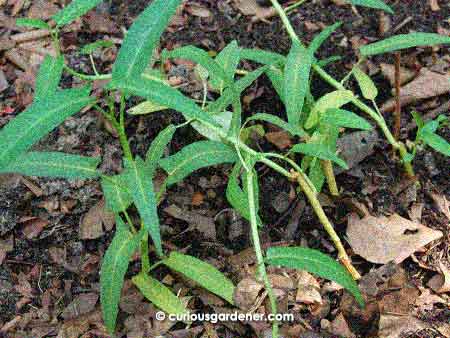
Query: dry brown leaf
{"type": "Point", "coordinates": [198, 10]}
{"type": "Point", "coordinates": [246, 293]}
{"type": "Point", "coordinates": [339, 326]}
{"type": "Point", "coordinates": [434, 5]}
{"type": "Point", "coordinates": [82, 304]}
{"type": "Point", "coordinates": [442, 203]}
{"type": "Point", "coordinates": [388, 72]}
{"type": "Point", "coordinates": [34, 226]}
{"type": "Point", "coordinates": [427, 85]}
{"type": "Point", "coordinates": [280, 139]}
{"type": "Point", "coordinates": [251, 8]}
{"type": "Point", "coordinates": [92, 223]}
{"type": "Point", "coordinates": [203, 224]}
{"type": "Point", "coordinates": [440, 283]}
{"type": "Point", "coordinates": [308, 289]}
{"type": "Point", "coordinates": [393, 326]}
{"type": "Point", "coordinates": [384, 239]}
{"type": "Point", "coordinates": [6, 245]}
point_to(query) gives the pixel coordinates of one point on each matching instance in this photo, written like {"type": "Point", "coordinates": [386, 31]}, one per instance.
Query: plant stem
{"type": "Point", "coordinates": [398, 107]}
{"type": "Point", "coordinates": [258, 250]}
{"type": "Point", "coordinates": [121, 130]}
{"type": "Point", "coordinates": [327, 167]}
{"type": "Point", "coordinates": [87, 77]}
{"type": "Point", "coordinates": [342, 254]}
{"type": "Point", "coordinates": [145, 261]}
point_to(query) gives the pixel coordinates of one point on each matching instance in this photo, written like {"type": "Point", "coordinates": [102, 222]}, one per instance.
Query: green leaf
{"type": "Point", "coordinates": [48, 77]}
{"type": "Point", "coordinates": [316, 174]}
{"type": "Point", "coordinates": [222, 119]}
{"type": "Point", "coordinates": [156, 150]}
{"type": "Point", "coordinates": [418, 119]}
{"type": "Point", "coordinates": [331, 100]}
{"type": "Point", "coordinates": [436, 142]}
{"type": "Point", "coordinates": [159, 294]}
{"type": "Point", "coordinates": [90, 48]}
{"type": "Point", "coordinates": [275, 120]}
{"type": "Point", "coordinates": [161, 94]}
{"type": "Point", "coordinates": [403, 41]}
{"type": "Point", "coordinates": [276, 77]}
{"type": "Point", "coordinates": [230, 94]}
{"type": "Point", "coordinates": [113, 270]}
{"type": "Point", "coordinates": [228, 59]}
{"type": "Point", "coordinates": [296, 81]}
{"type": "Point", "coordinates": [320, 151]}
{"type": "Point", "coordinates": [142, 38]}
{"type": "Point", "coordinates": [115, 189]}
{"type": "Point", "coordinates": [238, 197]}
{"type": "Point", "coordinates": [203, 273]}
{"type": "Point", "coordinates": [368, 88]}
{"type": "Point", "coordinates": [146, 107]}
{"type": "Point", "coordinates": [195, 156]}
{"type": "Point", "coordinates": [344, 118]}
{"type": "Point", "coordinates": [140, 184]}
{"type": "Point", "coordinates": [74, 10]}
{"type": "Point", "coordinates": [32, 23]}
{"type": "Point", "coordinates": [38, 120]}
{"type": "Point", "coordinates": [315, 262]}
{"type": "Point", "coordinates": [327, 61]}
{"type": "Point", "coordinates": [199, 56]}
{"type": "Point", "coordinates": [54, 165]}
{"type": "Point", "coordinates": [322, 36]}
{"type": "Point", "coordinates": [377, 4]}
{"type": "Point", "coordinates": [262, 56]}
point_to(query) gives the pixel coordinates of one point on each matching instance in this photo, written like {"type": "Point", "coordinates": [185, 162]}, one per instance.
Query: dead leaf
{"type": "Point", "coordinates": [308, 289]}
{"type": "Point", "coordinates": [100, 23]}
{"type": "Point", "coordinates": [427, 85]}
{"type": "Point", "coordinates": [397, 326]}
{"type": "Point", "coordinates": [92, 223]}
{"type": "Point", "coordinates": [281, 139]}
{"type": "Point", "coordinates": [425, 302]}
{"type": "Point", "coordinates": [441, 202]}
{"type": "Point", "coordinates": [355, 147]}
{"type": "Point", "coordinates": [440, 283]}
{"type": "Point", "coordinates": [434, 5]}
{"type": "Point", "coordinates": [197, 199]}
{"type": "Point", "coordinates": [339, 326]}
{"type": "Point", "coordinates": [3, 82]}
{"type": "Point", "coordinates": [82, 304]}
{"type": "Point", "coordinates": [6, 245]}
{"type": "Point", "coordinates": [198, 10]}
{"type": "Point", "coordinates": [384, 239]}
{"type": "Point", "coordinates": [246, 293]}
{"type": "Point", "coordinates": [203, 224]}
{"type": "Point", "coordinates": [400, 301]}
{"type": "Point", "coordinates": [388, 72]}
{"type": "Point", "coordinates": [34, 226]}
{"type": "Point", "coordinates": [251, 8]}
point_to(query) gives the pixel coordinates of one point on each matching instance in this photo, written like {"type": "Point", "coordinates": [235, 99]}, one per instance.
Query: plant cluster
{"type": "Point", "coordinates": [315, 122]}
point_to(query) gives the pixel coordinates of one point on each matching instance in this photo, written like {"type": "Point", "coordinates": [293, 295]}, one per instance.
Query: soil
{"type": "Point", "coordinates": [83, 134]}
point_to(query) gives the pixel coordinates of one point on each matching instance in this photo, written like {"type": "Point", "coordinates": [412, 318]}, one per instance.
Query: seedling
{"type": "Point", "coordinates": [316, 122]}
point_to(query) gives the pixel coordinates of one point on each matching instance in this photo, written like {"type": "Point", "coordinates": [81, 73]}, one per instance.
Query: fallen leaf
{"type": "Point", "coordinates": [440, 283]}
{"type": "Point", "coordinates": [198, 10]}
{"type": "Point", "coordinates": [82, 304]}
{"type": "Point", "coordinates": [251, 8]}
{"type": "Point", "coordinates": [100, 23]}
{"type": "Point", "coordinates": [281, 139]}
{"type": "Point", "coordinates": [3, 82]}
{"type": "Point", "coordinates": [425, 302]}
{"type": "Point", "coordinates": [203, 224]}
{"type": "Point", "coordinates": [384, 239]}
{"type": "Point", "coordinates": [393, 326]}
{"type": "Point", "coordinates": [92, 223]}
{"type": "Point", "coordinates": [197, 199]}
{"type": "Point", "coordinates": [434, 5]}
{"type": "Point", "coordinates": [6, 245]}
{"type": "Point", "coordinates": [400, 301]}
{"type": "Point", "coordinates": [246, 293]}
{"type": "Point", "coordinates": [441, 202]}
{"type": "Point", "coordinates": [308, 289]}
{"type": "Point", "coordinates": [355, 147]}
{"type": "Point", "coordinates": [339, 327]}
{"type": "Point", "coordinates": [426, 85]}
{"type": "Point", "coordinates": [33, 227]}
{"type": "Point", "coordinates": [388, 72]}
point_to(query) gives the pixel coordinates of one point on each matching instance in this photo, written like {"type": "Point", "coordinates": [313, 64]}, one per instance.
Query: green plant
{"type": "Point", "coordinates": [315, 122]}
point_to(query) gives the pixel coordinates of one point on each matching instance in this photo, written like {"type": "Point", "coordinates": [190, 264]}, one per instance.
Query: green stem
{"type": "Point", "coordinates": [121, 130]}
{"type": "Point", "coordinates": [258, 250]}
{"type": "Point", "coordinates": [145, 261]}
{"type": "Point", "coordinates": [327, 168]}
{"type": "Point", "coordinates": [87, 77]}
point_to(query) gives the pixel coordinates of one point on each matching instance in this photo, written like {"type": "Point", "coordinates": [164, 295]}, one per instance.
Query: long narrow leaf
{"type": "Point", "coordinates": [367, 86]}
{"type": "Point", "coordinates": [293, 130]}
{"type": "Point", "coordinates": [74, 10]}
{"type": "Point", "coordinates": [142, 38]}
{"type": "Point", "coordinates": [322, 36]}
{"type": "Point", "coordinates": [203, 273]}
{"type": "Point", "coordinates": [320, 151]}
{"type": "Point", "coordinates": [195, 156]}
{"type": "Point", "coordinates": [262, 56]}
{"type": "Point", "coordinates": [161, 94]}
{"type": "Point", "coordinates": [403, 41]}
{"type": "Point", "coordinates": [296, 81]}
{"type": "Point", "coordinates": [38, 120]}
{"type": "Point", "coordinates": [54, 165]}
{"type": "Point", "coordinates": [228, 59]}
{"type": "Point", "coordinates": [140, 185]}
{"type": "Point", "coordinates": [48, 77]}
{"type": "Point", "coordinates": [315, 262]}
{"type": "Point", "coordinates": [112, 274]}
{"type": "Point", "coordinates": [156, 150]}
{"type": "Point", "coordinates": [345, 118]}
{"type": "Point", "coordinates": [377, 4]}
{"type": "Point", "coordinates": [116, 192]}
{"type": "Point", "coordinates": [159, 294]}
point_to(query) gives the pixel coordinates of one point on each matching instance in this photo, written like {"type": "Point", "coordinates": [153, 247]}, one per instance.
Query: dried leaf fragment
{"type": "Point", "coordinates": [384, 239]}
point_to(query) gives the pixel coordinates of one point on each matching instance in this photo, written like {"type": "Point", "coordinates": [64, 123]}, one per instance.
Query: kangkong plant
{"type": "Point", "coordinates": [316, 122]}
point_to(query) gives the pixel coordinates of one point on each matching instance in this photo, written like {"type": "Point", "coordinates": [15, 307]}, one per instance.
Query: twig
{"type": "Point", "coordinates": [31, 35]}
